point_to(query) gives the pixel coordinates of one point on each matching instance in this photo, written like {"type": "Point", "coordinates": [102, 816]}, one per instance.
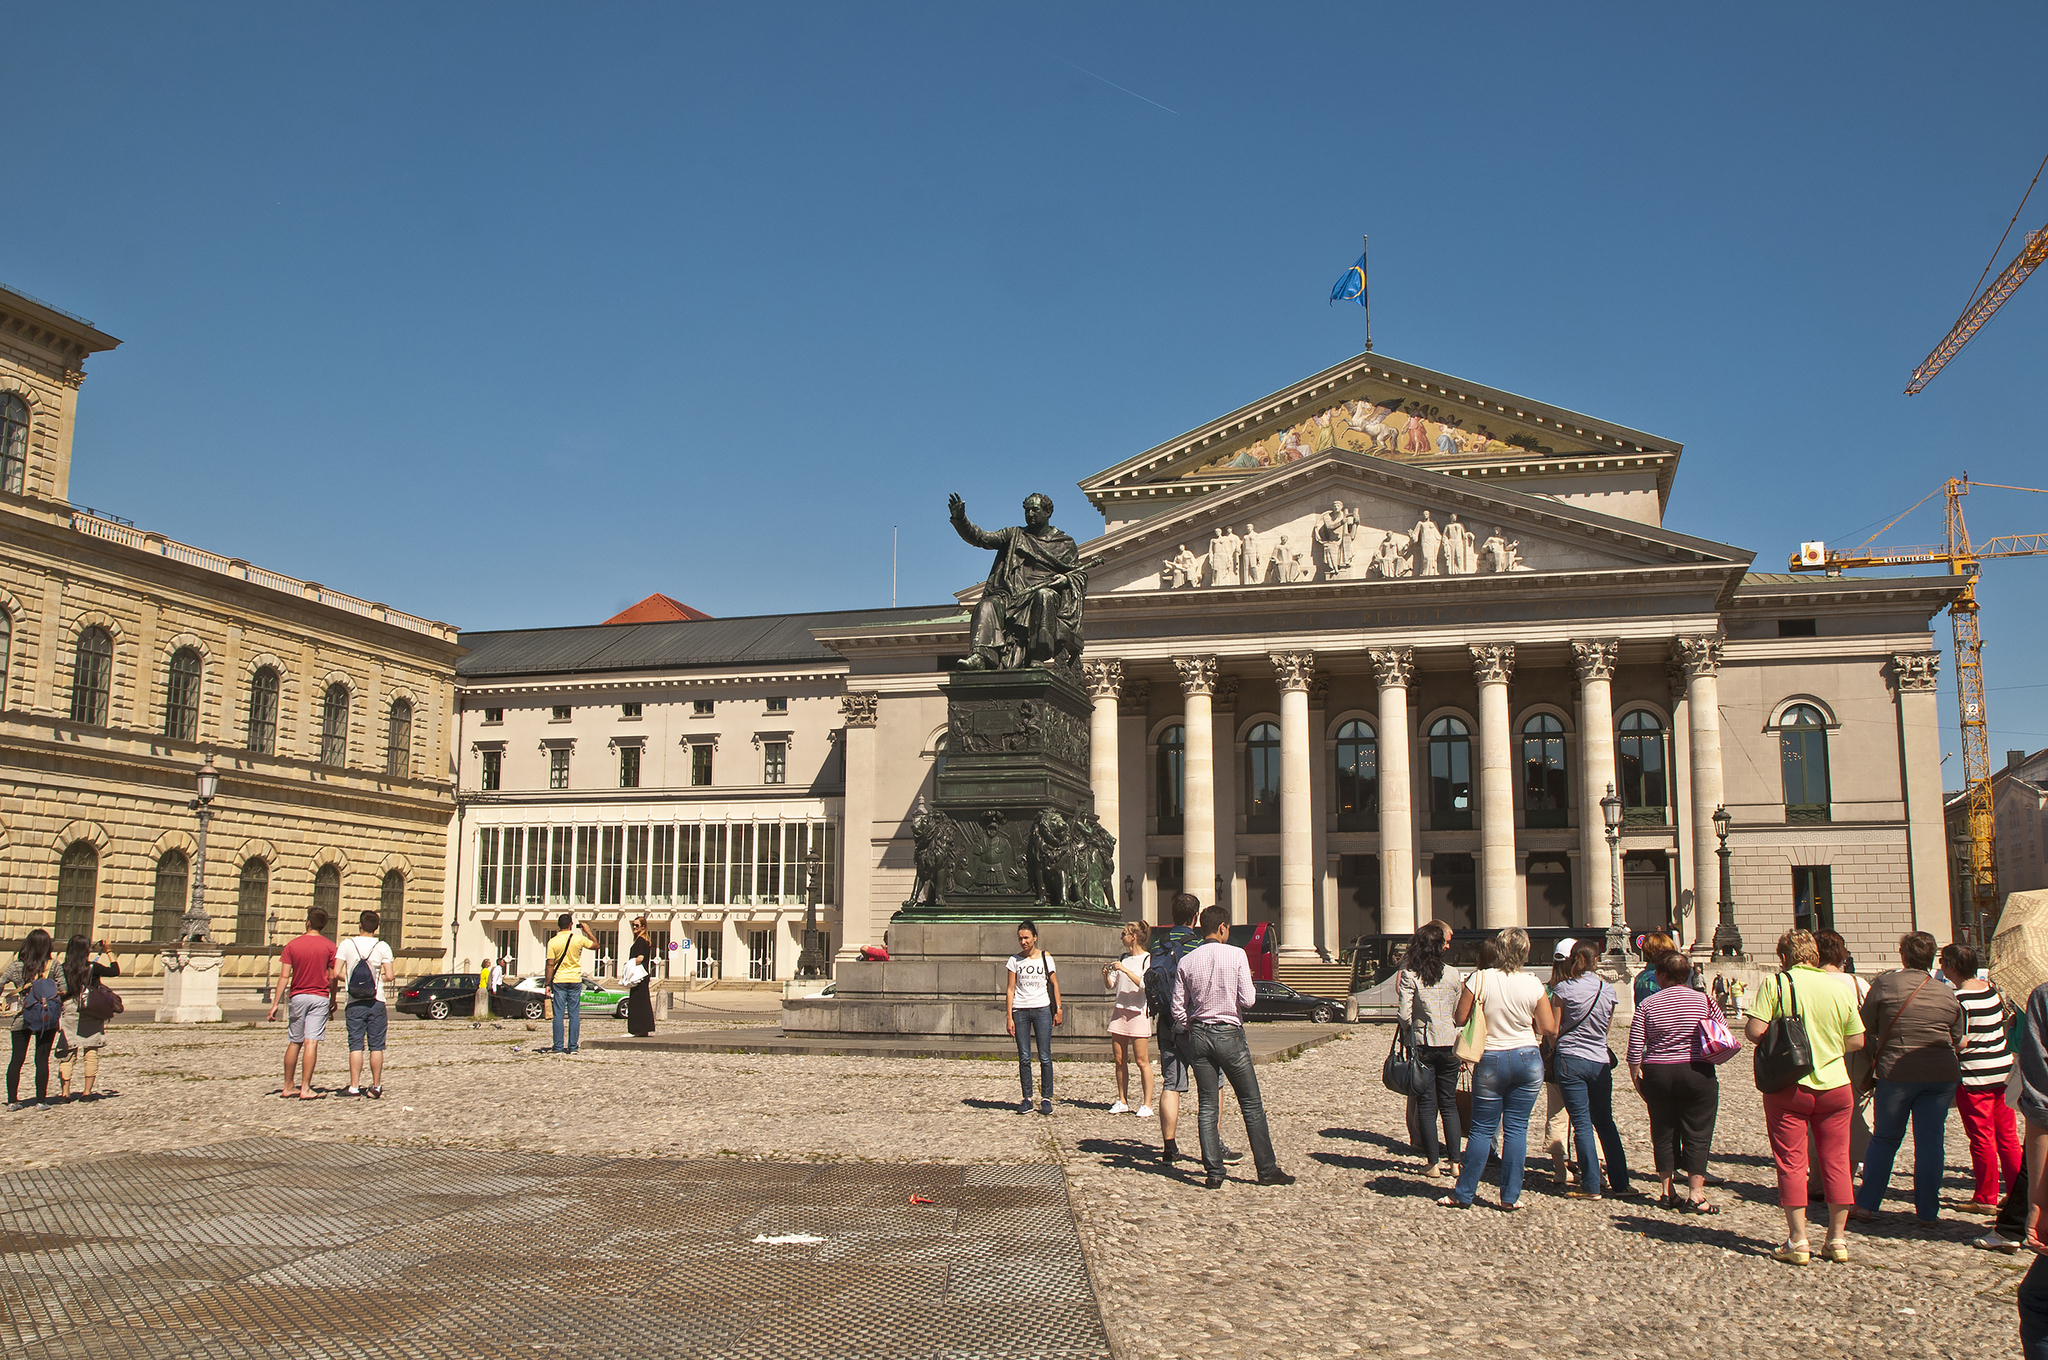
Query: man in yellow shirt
{"type": "Point", "coordinates": [565, 978]}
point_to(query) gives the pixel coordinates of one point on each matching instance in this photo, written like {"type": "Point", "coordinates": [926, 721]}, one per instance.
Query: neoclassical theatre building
{"type": "Point", "coordinates": [129, 659]}
{"type": "Point", "coordinates": [1366, 651]}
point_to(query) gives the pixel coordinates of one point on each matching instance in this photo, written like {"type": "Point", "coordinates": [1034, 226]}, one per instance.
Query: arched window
{"type": "Point", "coordinates": [13, 442]}
{"type": "Point", "coordinates": [391, 909]}
{"type": "Point", "coordinates": [1262, 779]}
{"type": "Point", "coordinates": [327, 896]}
{"type": "Point", "coordinates": [78, 886]}
{"type": "Point", "coordinates": [398, 740]}
{"type": "Point", "coordinates": [181, 696]}
{"type": "Point", "coordinates": [334, 726]}
{"type": "Point", "coordinates": [252, 900]}
{"type": "Point", "coordinates": [1546, 796]}
{"type": "Point", "coordinates": [6, 653]}
{"type": "Point", "coordinates": [1803, 759]}
{"type": "Point", "coordinates": [263, 711]}
{"type": "Point", "coordinates": [1645, 786]}
{"type": "Point", "coordinates": [1358, 778]}
{"type": "Point", "coordinates": [92, 676]}
{"type": "Point", "coordinates": [173, 893]}
{"type": "Point", "coordinates": [1450, 776]}
{"type": "Point", "coordinates": [1172, 779]}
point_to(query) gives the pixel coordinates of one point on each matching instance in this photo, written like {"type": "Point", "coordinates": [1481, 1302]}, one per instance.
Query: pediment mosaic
{"type": "Point", "coordinates": [1387, 426]}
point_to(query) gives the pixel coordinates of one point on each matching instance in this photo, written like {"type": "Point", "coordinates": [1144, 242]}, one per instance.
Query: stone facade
{"type": "Point", "coordinates": [101, 743]}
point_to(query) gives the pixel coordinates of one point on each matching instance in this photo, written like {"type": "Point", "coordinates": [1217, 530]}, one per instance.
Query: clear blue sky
{"type": "Point", "coordinates": [510, 315]}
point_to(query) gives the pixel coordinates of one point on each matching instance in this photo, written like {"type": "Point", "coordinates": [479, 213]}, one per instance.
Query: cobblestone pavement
{"type": "Point", "coordinates": [1356, 1258]}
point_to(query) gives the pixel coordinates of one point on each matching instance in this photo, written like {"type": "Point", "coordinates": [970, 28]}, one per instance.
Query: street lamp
{"type": "Point", "coordinates": [1966, 880]}
{"type": "Point", "coordinates": [811, 962]}
{"type": "Point", "coordinates": [196, 925]}
{"type": "Point", "coordinates": [270, 938]}
{"type": "Point", "coordinates": [1617, 931]}
{"type": "Point", "coordinates": [1727, 939]}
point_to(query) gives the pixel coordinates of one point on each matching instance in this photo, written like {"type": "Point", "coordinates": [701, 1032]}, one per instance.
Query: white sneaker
{"type": "Point", "coordinates": [1994, 1241]}
{"type": "Point", "coordinates": [1119, 1108]}
{"type": "Point", "coordinates": [1144, 1112]}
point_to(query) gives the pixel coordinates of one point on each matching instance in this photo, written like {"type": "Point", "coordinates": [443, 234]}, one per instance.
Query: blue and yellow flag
{"type": "Point", "coordinates": [1351, 285]}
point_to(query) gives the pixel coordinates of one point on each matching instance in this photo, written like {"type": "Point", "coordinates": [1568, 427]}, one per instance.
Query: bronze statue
{"type": "Point", "coordinates": [1029, 613]}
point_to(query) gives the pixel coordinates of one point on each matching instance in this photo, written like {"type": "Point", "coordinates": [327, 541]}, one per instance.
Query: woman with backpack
{"type": "Point", "coordinates": [38, 1008]}
{"type": "Point", "coordinates": [1031, 1006]}
{"type": "Point", "coordinates": [1130, 1023]}
{"type": "Point", "coordinates": [86, 1012]}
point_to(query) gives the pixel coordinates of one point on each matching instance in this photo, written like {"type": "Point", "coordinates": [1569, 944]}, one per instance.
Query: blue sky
{"type": "Point", "coordinates": [510, 315]}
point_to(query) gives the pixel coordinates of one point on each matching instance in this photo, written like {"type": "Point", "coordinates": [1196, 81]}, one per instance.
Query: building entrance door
{"type": "Point", "coordinates": [710, 952]}
{"type": "Point", "coordinates": [1646, 892]}
{"type": "Point", "coordinates": [761, 956]}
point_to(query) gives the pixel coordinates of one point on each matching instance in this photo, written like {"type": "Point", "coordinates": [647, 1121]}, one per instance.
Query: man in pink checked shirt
{"type": "Point", "coordinates": [1212, 989]}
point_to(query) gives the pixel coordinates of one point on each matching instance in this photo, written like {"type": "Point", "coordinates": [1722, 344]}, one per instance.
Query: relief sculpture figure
{"type": "Point", "coordinates": [1391, 561]}
{"type": "Point", "coordinates": [1503, 554]}
{"type": "Point", "coordinates": [1029, 613]}
{"type": "Point", "coordinates": [1183, 568]}
{"type": "Point", "coordinates": [1428, 538]}
{"type": "Point", "coordinates": [1224, 548]}
{"type": "Point", "coordinates": [1254, 559]}
{"type": "Point", "coordinates": [1461, 556]}
{"type": "Point", "coordinates": [1333, 540]}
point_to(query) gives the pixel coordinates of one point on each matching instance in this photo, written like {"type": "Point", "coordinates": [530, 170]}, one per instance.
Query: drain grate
{"type": "Point", "coordinates": [275, 1248]}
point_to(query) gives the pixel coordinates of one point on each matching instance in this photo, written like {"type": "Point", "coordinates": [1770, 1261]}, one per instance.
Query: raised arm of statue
{"type": "Point", "coordinates": [980, 538]}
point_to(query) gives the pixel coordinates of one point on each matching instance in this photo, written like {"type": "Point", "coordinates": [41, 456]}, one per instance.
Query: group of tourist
{"type": "Point", "coordinates": [311, 970]}
{"type": "Point", "coordinates": [58, 1007]}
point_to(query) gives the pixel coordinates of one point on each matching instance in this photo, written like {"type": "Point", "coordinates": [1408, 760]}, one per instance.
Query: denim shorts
{"type": "Point", "coordinates": [1173, 1069]}
{"type": "Point", "coordinates": [366, 1020]}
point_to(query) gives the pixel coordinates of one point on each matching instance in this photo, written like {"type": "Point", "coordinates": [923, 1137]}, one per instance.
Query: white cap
{"type": "Point", "coordinates": [1564, 949]}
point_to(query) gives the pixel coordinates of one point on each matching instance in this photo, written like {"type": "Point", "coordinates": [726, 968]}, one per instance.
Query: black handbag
{"type": "Point", "coordinates": [1784, 1054]}
{"type": "Point", "coordinates": [1402, 1073]}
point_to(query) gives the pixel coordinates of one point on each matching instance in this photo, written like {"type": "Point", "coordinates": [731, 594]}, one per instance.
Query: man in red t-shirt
{"type": "Point", "coordinates": [307, 966]}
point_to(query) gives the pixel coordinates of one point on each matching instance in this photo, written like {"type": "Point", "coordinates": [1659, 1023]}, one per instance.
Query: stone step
{"type": "Point", "coordinates": [1332, 980]}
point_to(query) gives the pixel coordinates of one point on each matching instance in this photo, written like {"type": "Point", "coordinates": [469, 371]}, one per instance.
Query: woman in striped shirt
{"type": "Point", "coordinates": [1994, 1141]}
{"type": "Point", "coordinates": [1683, 1094]}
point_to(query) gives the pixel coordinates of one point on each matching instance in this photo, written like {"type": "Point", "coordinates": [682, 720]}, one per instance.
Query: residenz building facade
{"type": "Point", "coordinates": [1367, 651]}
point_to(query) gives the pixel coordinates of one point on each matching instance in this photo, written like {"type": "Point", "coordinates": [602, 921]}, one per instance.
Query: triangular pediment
{"type": "Point", "coordinates": [1340, 516]}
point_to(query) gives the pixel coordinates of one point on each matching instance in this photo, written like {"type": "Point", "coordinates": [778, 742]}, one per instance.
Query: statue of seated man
{"type": "Point", "coordinates": [1029, 613]}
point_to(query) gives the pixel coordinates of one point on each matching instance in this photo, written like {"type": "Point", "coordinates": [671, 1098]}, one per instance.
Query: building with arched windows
{"type": "Point", "coordinates": [127, 658]}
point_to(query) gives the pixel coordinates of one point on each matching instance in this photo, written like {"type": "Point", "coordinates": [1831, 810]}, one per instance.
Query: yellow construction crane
{"type": "Point", "coordinates": [1978, 312]}
{"type": "Point", "coordinates": [1962, 558]}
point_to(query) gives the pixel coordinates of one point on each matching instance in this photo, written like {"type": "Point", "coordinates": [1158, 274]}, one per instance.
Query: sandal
{"type": "Point", "coordinates": [1689, 1205]}
{"type": "Point", "coordinates": [1452, 1202]}
{"type": "Point", "coordinates": [1792, 1253]}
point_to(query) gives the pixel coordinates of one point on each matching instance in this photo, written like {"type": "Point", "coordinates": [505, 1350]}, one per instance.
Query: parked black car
{"type": "Point", "coordinates": [1278, 1001]}
{"type": "Point", "coordinates": [437, 996]}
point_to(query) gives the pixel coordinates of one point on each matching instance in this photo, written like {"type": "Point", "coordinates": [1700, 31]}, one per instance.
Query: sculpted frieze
{"type": "Point", "coordinates": [1339, 544]}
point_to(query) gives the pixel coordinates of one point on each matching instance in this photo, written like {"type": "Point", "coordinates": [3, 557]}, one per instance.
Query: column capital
{"type": "Point", "coordinates": [1915, 671]}
{"type": "Point", "coordinates": [1593, 658]}
{"type": "Point", "coordinates": [1393, 667]}
{"type": "Point", "coordinates": [1136, 699]}
{"type": "Point", "coordinates": [1674, 680]}
{"type": "Point", "coordinates": [859, 707]}
{"type": "Point", "coordinates": [1319, 692]}
{"type": "Point", "coordinates": [1493, 663]}
{"type": "Point", "coordinates": [1295, 670]}
{"type": "Point", "coordinates": [1698, 654]}
{"type": "Point", "coordinates": [1105, 678]}
{"type": "Point", "coordinates": [1197, 674]}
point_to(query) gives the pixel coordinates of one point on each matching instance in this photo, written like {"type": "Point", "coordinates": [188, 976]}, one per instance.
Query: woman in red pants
{"type": "Point", "coordinates": [1994, 1140]}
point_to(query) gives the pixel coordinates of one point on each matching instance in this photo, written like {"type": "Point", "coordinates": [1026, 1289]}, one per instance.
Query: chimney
{"type": "Point", "coordinates": [2015, 759]}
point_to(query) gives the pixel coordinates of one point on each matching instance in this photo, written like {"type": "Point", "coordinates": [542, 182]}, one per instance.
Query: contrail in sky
{"type": "Point", "coordinates": [1105, 80]}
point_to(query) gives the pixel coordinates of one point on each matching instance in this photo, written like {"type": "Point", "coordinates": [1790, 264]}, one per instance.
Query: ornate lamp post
{"type": "Point", "coordinates": [1727, 939]}
{"type": "Point", "coordinates": [1965, 905]}
{"type": "Point", "coordinates": [270, 938]}
{"type": "Point", "coordinates": [192, 962]}
{"type": "Point", "coordinates": [197, 925]}
{"type": "Point", "coordinates": [811, 962]}
{"type": "Point", "coordinates": [1617, 929]}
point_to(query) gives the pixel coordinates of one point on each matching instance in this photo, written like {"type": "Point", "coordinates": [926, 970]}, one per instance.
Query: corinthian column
{"type": "Point", "coordinates": [1198, 822]}
{"type": "Point", "coordinates": [1394, 667]}
{"type": "Point", "coordinates": [1493, 664]}
{"type": "Point", "coordinates": [1700, 657]}
{"type": "Point", "coordinates": [1297, 827]}
{"type": "Point", "coordinates": [1105, 679]}
{"type": "Point", "coordinates": [1593, 658]}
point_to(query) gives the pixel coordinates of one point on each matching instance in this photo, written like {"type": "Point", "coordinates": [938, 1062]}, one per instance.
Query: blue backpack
{"type": "Point", "coordinates": [1160, 974]}
{"type": "Point", "coordinates": [41, 1006]}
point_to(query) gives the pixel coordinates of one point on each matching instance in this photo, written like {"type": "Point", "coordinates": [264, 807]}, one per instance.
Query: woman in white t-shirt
{"type": "Point", "coordinates": [1129, 1026]}
{"type": "Point", "coordinates": [1031, 996]}
{"type": "Point", "coordinates": [1509, 1077]}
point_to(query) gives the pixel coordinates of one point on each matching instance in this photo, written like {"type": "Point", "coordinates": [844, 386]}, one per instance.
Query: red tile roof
{"type": "Point", "coordinates": [658, 608]}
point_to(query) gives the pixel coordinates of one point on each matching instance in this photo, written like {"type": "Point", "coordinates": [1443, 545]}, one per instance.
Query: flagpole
{"type": "Point", "coordinates": [1363, 281]}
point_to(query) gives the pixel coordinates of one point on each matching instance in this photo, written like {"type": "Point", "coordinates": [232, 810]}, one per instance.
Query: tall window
{"type": "Point", "coordinates": [13, 442]}
{"type": "Point", "coordinates": [92, 676]}
{"type": "Point", "coordinates": [1262, 779]}
{"type": "Point", "coordinates": [700, 764]}
{"type": "Point", "coordinates": [1172, 779]}
{"type": "Point", "coordinates": [263, 711]}
{"type": "Point", "coordinates": [1645, 786]}
{"type": "Point", "coordinates": [629, 766]}
{"type": "Point", "coordinates": [398, 740]}
{"type": "Point", "coordinates": [1803, 759]}
{"type": "Point", "coordinates": [173, 887]}
{"type": "Point", "coordinates": [1358, 778]}
{"type": "Point", "coordinates": [1813, 897]}
{"type": "Point", "coordinates": [558, 767]}
{"type": "Point", "coordinates": [78, 885]}
{"type": "Point", "coordinates": [6, 653]}
{"type": "Point", "coordinates": [327, 896]}
{"type": "Point", "coordinates": [774, 762]}
{"type": "Point", "coordinates": [494, 769]}
{"type": "Point", "coordinates": [252, 901]}
{"type": "Point", "coordinates": [334, 726]}
{"type": "Point", "coordinates": [391, 909]}
{"type": "Point", "coordinates": [1545, 792]}
{"type": "Point", "coordinates": [181, 696]}
{"type": "Point", "coordinates": [1450, 775]}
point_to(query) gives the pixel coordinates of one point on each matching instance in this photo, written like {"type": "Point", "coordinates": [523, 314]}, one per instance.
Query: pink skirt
{"type": "Point", "coordinates": [1130, 1024]}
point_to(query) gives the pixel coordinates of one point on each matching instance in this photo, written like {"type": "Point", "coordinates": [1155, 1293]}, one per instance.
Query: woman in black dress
{"type": "Point", "coordinates": [640, 1001]}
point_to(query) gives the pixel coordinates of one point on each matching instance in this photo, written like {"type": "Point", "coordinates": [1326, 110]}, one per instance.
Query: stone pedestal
{"type": "Point", "coordinates": [191, 985]}
{"type": "Point", "coordinates": [946, 979]}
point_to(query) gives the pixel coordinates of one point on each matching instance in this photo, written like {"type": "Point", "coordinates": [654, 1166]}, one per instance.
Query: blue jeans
{"type": "Point", "coordinates": [1219, 1053]}
{"type": "Point", "coordinates": [1504, 1089]}
{"type": "Point", "coordinates": [568, 1010]}
{"type": "Point", "coordinates": [1586, 1086]}
{"type": "Point", "coordinates": [1034, 1022]}
{"type": "Point", "coordinates": [2034, 1310]}
{"type": "Point", "coordinates": [1926, 1104]}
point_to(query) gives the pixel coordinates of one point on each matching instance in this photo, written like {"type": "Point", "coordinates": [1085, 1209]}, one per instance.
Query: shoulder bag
{"type": "Point", "coordinates": [1402, 1072]}
{"type": "Point", "coordinates": [1472, 1039]}
{"type": "Point", "coordinates": [1866, 1080]}
{"type": "Point", "coordinates": [1712, 1042]}
{"type": "Point", "coordinates": [1784, 1054]}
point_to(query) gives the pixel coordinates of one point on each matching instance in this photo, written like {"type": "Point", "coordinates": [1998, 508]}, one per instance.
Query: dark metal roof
{"type": "Point", "coordinates": [1816, 583]}
{"type": "Point", "coordinates": [755, 640]}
